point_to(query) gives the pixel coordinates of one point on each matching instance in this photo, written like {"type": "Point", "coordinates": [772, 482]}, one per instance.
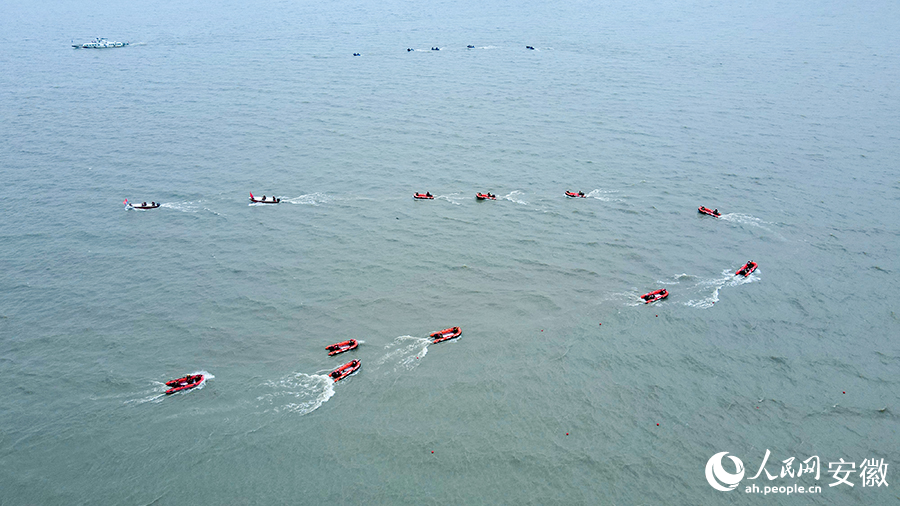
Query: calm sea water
{"type": "Point", "coordinates": [564, 387]}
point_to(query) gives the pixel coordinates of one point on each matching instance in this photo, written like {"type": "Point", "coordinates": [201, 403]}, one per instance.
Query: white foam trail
{"type": "Point", "coordinates": [185, 207]}
{"type": "Point", "coordinates": [310, 199]}
{"type": "Point", "coordinates": [602, 195]}
{"type": "Point", "coordinates": [515, 197]}
{"type": "Point", "coordinates": [728, 279]}
{"type": "Point", "coordinates": [449, 198]}
{"type": "Point", "coordinates": [405, 353]}
{"type": "Point", "coordinates": [298, 393]}
{"type": "Point", "coordinates": [746, 219]}
{"type": "Point", "coordinates": [705, 303]}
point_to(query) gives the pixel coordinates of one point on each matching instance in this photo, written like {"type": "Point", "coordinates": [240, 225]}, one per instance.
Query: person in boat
{"type": "Point", "coordinates": [153, 204]}
{"type": "Point", "coordinates": [427, 194]}
{"type": "Point", "coordinates": [144, 204]}
{"type": "Point", "coordinates": [716, 212]}
{"type": "Point", "coordinates": [581, 194]}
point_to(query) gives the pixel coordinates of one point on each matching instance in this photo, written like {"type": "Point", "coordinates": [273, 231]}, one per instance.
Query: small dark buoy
{"type": "Point", "coordinates": [845, 392]}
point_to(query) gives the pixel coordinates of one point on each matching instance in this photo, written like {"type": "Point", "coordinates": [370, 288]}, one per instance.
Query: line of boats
{"type": "Point", "coordinates": [649, 297]}
{"type": "Point", "coordinates": [190, 381]}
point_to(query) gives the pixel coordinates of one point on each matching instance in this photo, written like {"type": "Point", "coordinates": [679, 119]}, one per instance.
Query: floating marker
{"type": "Point", "coordinates": [432, 451]}
{"type": "Point", "coordinates": [657, 425]}
{"type": "Point", "coordinates": [567, 433]}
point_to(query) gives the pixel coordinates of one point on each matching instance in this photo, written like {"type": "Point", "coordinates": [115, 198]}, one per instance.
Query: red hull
{"type": "Point", "coordinates": [706, 210]}
{"type": "Point", "coordinates": [655, 295]}
{"type": "Point", "coordinates": [747, 269]}
{"type": "Point", "coordinates": [575, 195]}
{"type": "Point", "coordinates": [443, 335]}
{"type": "Point", "coordinates": [336, 349]}
{"type": "Point", "coordinates": [482, 196]}
{"type": "Point", "coordinates": [422, 196]}
{"type": "Point", "coordinates": [185, 383]}
{"type": "Point", "coordinates": [345, 370]}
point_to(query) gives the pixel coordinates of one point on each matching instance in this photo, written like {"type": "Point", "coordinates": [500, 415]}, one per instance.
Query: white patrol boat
{"type": "Point", "coordinates": [100, 43]}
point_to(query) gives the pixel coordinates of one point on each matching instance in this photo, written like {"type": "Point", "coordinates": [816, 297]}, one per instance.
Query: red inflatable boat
{"type": "Point", "coordinates": [264, 200]}
{"type": "Point", "coordinates": [711, 212]}
{"type": "Point", "coordinates": [485, 196]}
{"type": "Point", "coordinates": [425, 196]}
{"type": "Point", "coordinates": [747, 269]}
{"type": "Point", "coordinates": [655, 295]}
{"type": "Point", "coordinates": [185, 383]}
{"type": "Point", "coordinates": [338, 348]}
{"type": "Point", "coordinates": [443, 335]}
{"type": "Point", "coordinates": [345, 370]}
{"type": "Point", "coordinates": [575, 195]}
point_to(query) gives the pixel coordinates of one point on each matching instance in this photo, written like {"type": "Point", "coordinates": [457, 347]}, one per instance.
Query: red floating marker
{"type": "Point", "coordinates": [432, 451]}
{"type": "Point", "coordinates": [845, 392]}
{"type": "Point", "coordinates": [601, 324]}
{"type": "Point", "coordinates": [657, 425]}
{"type": "Point", "coordinates": [542, 330]}
{"type": "Point", "coordinates": [567, 433]}
{"type": "Point", "coordinates": [657, 316]}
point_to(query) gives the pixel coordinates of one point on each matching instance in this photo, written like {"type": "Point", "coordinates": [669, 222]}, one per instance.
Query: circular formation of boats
{"type": "Point", "coordinates": [192, 381]}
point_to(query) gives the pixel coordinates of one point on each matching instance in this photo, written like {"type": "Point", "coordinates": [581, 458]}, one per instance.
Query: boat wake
{"type": "Point", "coordinates": [297, 393]}
{"type": "Point", "coordinates": [189, 207]}
{"type": "Point", "coordinates": [310, 199]}
{"type": "Point", "coordinates": [708, 289]}
{"type": "Point", "coordinates": [746, 219]}
{"type": "Point", "coordinates": [604, 195]}
{"type": "Point", "coordinates": [403, 354]}
{"type": "Point", "coordinates": [452, 198]}
{"type": "Point", "coordinates": [516, 196]}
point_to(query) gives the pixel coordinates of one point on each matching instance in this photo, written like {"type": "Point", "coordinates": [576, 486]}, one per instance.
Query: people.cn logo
{"type": "Point", "coordinates": [718, 477]}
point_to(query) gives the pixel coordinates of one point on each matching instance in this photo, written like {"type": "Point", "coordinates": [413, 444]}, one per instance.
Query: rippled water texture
{"type": "Point", "coordinates": [564, 386]}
